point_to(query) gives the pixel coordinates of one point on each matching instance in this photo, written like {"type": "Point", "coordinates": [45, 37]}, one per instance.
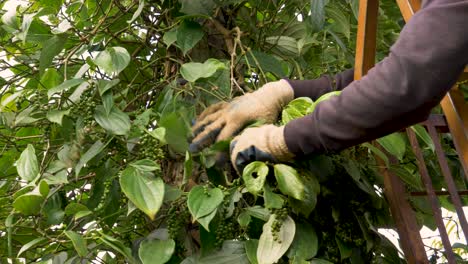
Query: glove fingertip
{"type": "Point", "coordinates": [194, 147]}
{"type": "Point", "coordinates": [232, 145]}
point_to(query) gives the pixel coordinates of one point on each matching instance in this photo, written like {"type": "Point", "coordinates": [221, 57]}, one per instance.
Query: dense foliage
{"type": "Point", "coordinates": [97, 99]}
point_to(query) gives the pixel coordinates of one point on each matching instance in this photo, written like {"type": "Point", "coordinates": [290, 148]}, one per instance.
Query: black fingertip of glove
{"type": "Point", "coordinates": [221, 159]}
{"type": "Point", "coordinates": [193, 148]}
{"type": "Point", "coordinates": [199, 130]}
{"type": "Point", "coordinates": [205, 141]}
{"type": "Point", "coordinates": [249, 155]}
{"type": "Point", "coordinates": [232, 145]}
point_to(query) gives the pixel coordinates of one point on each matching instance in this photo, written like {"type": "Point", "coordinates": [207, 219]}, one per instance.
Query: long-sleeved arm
{"type": "Point", "coordinates": [325, 84]}
{"type": "Point", "coordinates": [401, 90]}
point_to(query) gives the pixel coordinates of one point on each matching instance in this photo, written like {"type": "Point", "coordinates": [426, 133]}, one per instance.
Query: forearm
{"type": "Point", "coordinates": [399, 91]}
{"type": "Point", "coordinates": [325, 84]}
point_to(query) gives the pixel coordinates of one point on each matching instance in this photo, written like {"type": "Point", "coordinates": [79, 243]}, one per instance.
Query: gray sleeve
{"type": "Point", "coordinates": [401, 90]}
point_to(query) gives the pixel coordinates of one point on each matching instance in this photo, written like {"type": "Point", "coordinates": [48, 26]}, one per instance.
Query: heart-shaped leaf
{"type": "Point", "coordinates": [145, 192]}
{"type": "Point", "coordinates": [156, 251]}
{"type": "Point", "coordinates": [113, 60]}
{"type": "Point", "coordinates": [116, 122]}
{"type": "Point", "coordinates": [203, 201]}
{"type": "Point", "coordinates": [27, 165]}
{"type": "Point", "coordinates": [289, 181]}
{"type": "Point", "coordinates": [254, 176]}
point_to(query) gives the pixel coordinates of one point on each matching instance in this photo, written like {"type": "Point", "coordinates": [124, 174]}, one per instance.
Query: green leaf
{"type": "Point", "coordinates": [51, 78]}
{"type": "Point", "coordinates": [193, 71]}
{"type": "Point", "coordinates": [43, 188]}
{"type": "Point", "coordinates": [422, 133]}
{"type": "Point", "coordinates": [202, 202]}
{"type": "Point", "coordinates": [30, 245]}
{"type": "Point", "coordinates": [56, 116]}
{"type": "Point", "coordinates": [118, 246]}
{"type": "Point", "coordinates": [284, 45]}
{"type": "Point", "coordinates": [254, 176]}
{"type": "Point", "coordinates": [311, 191]}
{"type": "Point", "coordinates": [320, 261]}
{"type": "Point", "coordinates": [78, 242]}
{"type": "Point", "coordinates": [197, 7]}
{"type": "Point", "coordinates": [189, 34]}
{"type": "Point", "coordinates": [145, 192]}
{"type": "Point", "coordinates": [137, 13]}
{"type": "Point", "coordinates": [232, 252]}
{"type": "Point", "coordinates": [340, 20]}
{"type": "Point", "coordinates": [75, 208]}
{"type": "Point", "coordinates": [297, 108]}
{"type": "Point", "coordinates": [323, 98]}
{"type": "Point", "coordinates": [170, 37]}
{"type": "Point", "coordinates": [113, 60]}
{"type": "Point", "coordinates": [51, 48]}
{"type": "Point", "coordinates": [272, 200]}
{"type": "Point", "coordinates": [64, 86]}
{"type": "Point", "coordinates": [145, 165]}
{"type": "Point", "coordinates": [317, 14]}
{"type": "Point", "coordinates": [258, 212]}
{"type": "Point", "coordinates": [305, 244]}
{"type": "Point", "coordinates": [345, 250]}
{"type": "Point", "coordinates": [160, 134]}
{"type": "Point", "coordinates": [27, 165]}
{"type": "Point", "coordinates": [289, 181]}
{"type": "Point", "coordinates": [116, 122]}
{"type": "Point", "coordinates": [29, 203]}
{"type": "Point", "coordinates": [270, 251]}
{"type": "Point", "coordinates": [206, 220]}
{"type": "Point", "coordinates": [251, 246]}
{"type": "Point", "coordinates": [156, 251]}
{"type": "Point", "coordinates": [105, 85]}
{"type": "Point", "coordinates": [352, 168]}
{"type": "Point", "coordinates": [174, 130]}
{"type": "Point", "coordinates": [395, 144]}
{"type": "Point", "coordinates": [266, 62]}
{"type": "Point", "coordinates": [95, 149]}
{"type": "Point", "coordinates": [244, 219]}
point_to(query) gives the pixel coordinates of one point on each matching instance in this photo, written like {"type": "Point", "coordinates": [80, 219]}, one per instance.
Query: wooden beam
{"type": "Point", "coordinates": [395, 192]}
{"type": "Point", "coordinates": [456, 112]}
{"type": "Point", "coordinates": [408, 8]}
{"type": "Point", "coordinates": [366, 37]}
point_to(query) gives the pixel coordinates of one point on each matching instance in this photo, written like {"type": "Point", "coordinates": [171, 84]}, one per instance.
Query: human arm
{"type": "Point", "coordinates": [424, 63]}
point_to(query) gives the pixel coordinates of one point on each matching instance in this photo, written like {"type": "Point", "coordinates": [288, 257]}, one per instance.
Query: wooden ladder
{"type": "Point", "coordinates": [455, 121]}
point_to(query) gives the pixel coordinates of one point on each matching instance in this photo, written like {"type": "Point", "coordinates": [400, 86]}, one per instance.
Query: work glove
{"type": "Point", "coordinates": [264, 143]}
{"type": "Point", "coordinates": [223, 120]}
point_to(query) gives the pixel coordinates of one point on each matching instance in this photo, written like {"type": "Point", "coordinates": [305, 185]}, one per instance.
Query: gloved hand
{"type": "Point", "coordinates": [224, 120]}
{"type": "Point", "coordinates": [264, 143]}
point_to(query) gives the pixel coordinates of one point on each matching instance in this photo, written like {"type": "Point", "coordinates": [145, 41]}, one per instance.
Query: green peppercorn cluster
{"type": "Point", "coordinates": [226, 230]}
{"type": "Point", "coordinates": [85, 107]}
{"type": "Point", "coordinates": [150, 148]}
{"type": "Point", "coordinates": [178, 216]}
{"type": "Point", "coordinates": [280, 215]}
{"type": "Point", "coordinates": [332, 252]}
{"type": "Point", "coordinates": [350, 233]}
{"type": "Point", "coordinates": [38, 100]}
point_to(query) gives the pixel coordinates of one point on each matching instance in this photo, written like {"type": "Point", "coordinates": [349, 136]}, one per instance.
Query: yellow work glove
{"type": "Point", "coordinates": [224, 120]}
{"type": "Point", "coordinates": [264, 143]}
